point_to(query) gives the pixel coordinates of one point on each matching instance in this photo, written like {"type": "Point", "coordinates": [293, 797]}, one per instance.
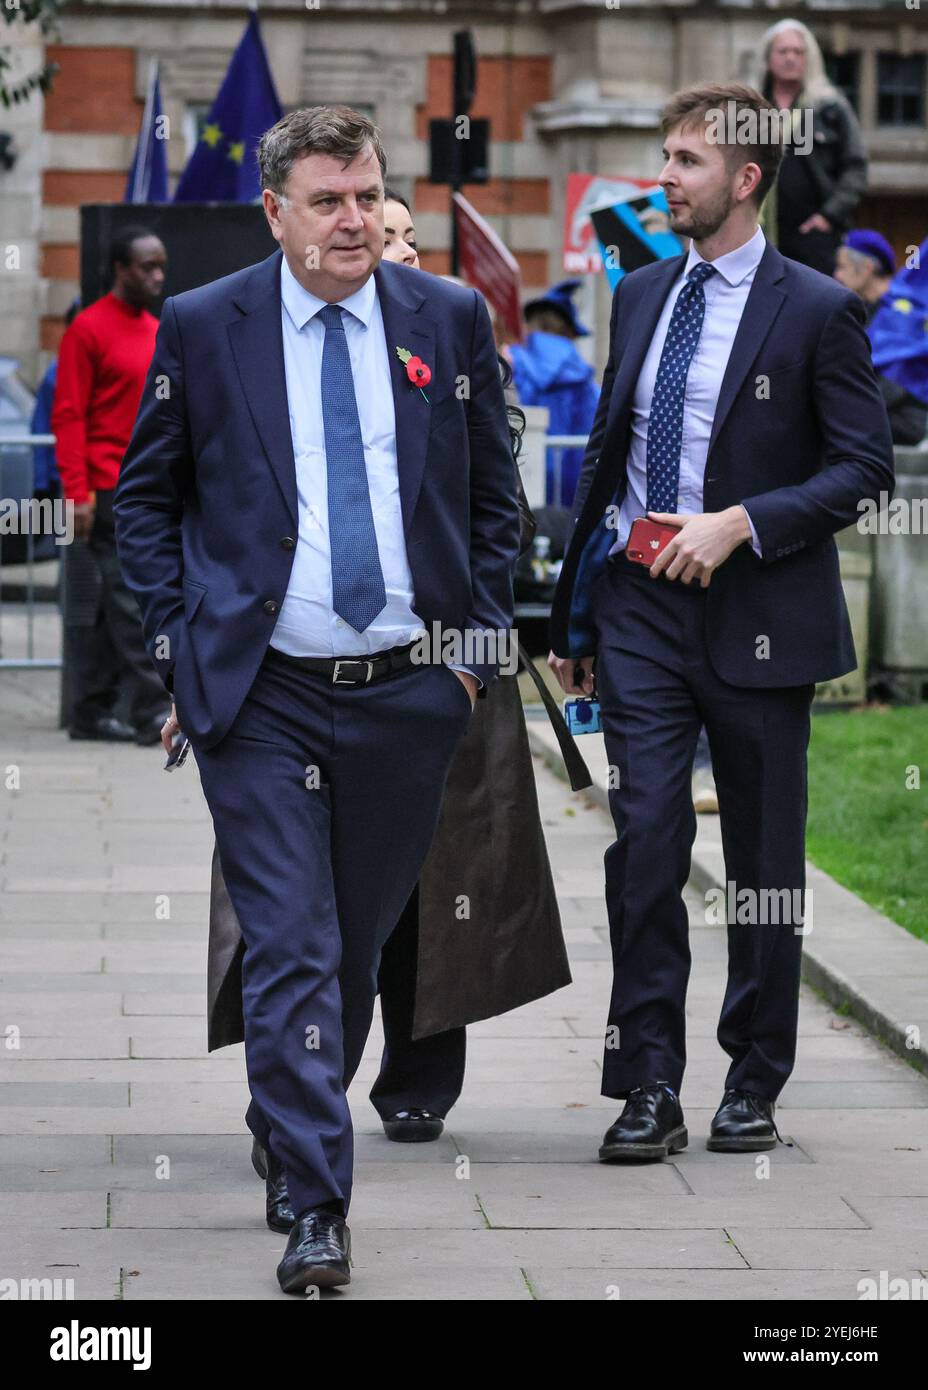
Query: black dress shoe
{"type": "Point", "coordinates": [413, 1126]}
{"type": "Point", "coordinates": [278, 1210]}
{"type": "Point", "coordinates": [318, 1253]}
{"type": "Point", "coordinates": [106, 728]}
{"type": "Point", "coordinates": [650, 1126]}
{"type": "Point", "coordinates": [149, 731]}
{"type": "Point", "coordinates": [743, 1123]}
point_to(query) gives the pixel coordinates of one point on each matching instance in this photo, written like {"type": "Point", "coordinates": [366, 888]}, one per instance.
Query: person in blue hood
{"type": "Point", "coordinates": [548, 370]}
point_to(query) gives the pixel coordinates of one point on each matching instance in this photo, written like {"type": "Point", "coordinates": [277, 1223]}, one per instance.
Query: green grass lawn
{"type": "Point", "coordinates": [866, 828]}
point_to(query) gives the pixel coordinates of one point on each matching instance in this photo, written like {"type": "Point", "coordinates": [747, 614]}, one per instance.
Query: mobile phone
{"type": "Point", "coordinates": [582, 716]}
{"type": "Point", "coordinates": [647, 539]}
{"type": "Point", "coordinates": [178, 754]}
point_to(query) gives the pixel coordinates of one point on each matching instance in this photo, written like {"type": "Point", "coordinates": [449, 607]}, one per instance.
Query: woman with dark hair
{"type": "Point", "coordinates": [440, 970]}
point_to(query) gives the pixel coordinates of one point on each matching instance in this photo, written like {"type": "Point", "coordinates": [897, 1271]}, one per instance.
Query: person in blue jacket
{"type": "Point", "coordinates": [45, 480]}
{"type": "Point", "coordinates": [548, 370]}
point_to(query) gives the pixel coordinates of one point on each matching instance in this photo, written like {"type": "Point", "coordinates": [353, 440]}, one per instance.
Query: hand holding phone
{"type": "Point", "coordinates": [180, 747]}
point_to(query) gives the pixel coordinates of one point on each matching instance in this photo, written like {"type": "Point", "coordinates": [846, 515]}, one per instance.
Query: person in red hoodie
{"type": "Point", "coordinates": [102, 364]}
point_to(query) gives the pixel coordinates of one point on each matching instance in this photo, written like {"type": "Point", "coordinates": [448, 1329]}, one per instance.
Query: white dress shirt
{"type": "Point", "coordinates": [308, 625]}
{"type": "Point", "coordinates": [726, 295]}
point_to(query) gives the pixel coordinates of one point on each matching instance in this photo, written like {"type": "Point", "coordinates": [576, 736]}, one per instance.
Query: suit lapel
{"type": "Point", "coordinates": [764, 302]}
{"type": "Point", "coordinates": [405, 326]}
{"type": "Point", "coordinates": [258, 348]}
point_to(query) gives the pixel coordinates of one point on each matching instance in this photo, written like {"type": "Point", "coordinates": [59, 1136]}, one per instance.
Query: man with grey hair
{"type": "Point", "coordinates": [320, 470]}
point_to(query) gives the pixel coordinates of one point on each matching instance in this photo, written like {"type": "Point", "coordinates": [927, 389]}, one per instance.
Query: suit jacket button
{"type": "Point", "coordinates": [271, 607]}
{"type": "Point", "coordinates": [287, 543]}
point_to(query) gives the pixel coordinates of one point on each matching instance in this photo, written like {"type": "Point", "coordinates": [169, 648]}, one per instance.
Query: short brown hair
{"type": "Point", "coordinates": [335, 130]}
{"type": "Point", "coordinates": [694, 106]}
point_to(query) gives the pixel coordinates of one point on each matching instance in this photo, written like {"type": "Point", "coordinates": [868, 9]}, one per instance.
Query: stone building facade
{"type": "Point", "coordinates": [567, 87]}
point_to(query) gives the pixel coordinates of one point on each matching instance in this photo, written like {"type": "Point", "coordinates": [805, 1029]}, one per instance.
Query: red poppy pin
{"type": "Point", "coordinates": [419, 373]}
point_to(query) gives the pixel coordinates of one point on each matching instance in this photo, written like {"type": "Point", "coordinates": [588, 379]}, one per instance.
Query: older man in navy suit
{"type": "Point", "coordinates": [738, 407]}
{"type": "Point", "coordinates": [319, 472]}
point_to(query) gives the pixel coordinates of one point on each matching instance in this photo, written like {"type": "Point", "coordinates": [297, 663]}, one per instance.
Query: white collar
{"type": "Point", "coordinates": [734, 265]}
{"type": "Point", "coordinates": [302, 305]}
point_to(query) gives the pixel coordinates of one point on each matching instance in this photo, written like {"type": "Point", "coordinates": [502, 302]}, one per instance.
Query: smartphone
{"type": "Point", "coordinates": [647, 539]}
{"type": "Point", "coordinates": [178, 754]}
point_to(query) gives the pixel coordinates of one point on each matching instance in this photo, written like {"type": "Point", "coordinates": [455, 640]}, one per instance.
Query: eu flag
{"type": "Point", "coordinates": [899, 329]}
{"type": "Point", "coordinates": [223, 167]}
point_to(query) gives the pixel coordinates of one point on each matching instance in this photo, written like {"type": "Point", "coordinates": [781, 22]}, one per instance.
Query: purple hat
{"type": "Point", "coordinates": [560, 297]}
{"type": "Point", "coordinates": [873, 244]}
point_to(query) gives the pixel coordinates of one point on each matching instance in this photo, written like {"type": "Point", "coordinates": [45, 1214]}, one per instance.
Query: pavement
{"type": "Point", "coordinates": [125, 1159]}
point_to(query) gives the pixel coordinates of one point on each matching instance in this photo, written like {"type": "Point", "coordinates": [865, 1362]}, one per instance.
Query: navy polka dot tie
{"type": "Point", "coordinates": [665, 424]}
{"type": "Point", "coordinates": [358, 592]}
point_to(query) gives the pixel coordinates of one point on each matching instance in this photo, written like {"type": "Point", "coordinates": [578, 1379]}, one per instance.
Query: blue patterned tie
{"type": "Point", "coordinates": [665, 423]}
{"type": "Point", "coordinates": [358, 592]}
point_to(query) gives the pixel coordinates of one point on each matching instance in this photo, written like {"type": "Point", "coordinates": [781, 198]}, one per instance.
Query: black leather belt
{"type": "Point", "coordinates": [350, 670]}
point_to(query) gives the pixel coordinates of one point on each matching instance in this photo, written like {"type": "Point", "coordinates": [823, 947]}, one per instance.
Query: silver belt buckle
{"type": "Point", "coordinates": [351, 662]}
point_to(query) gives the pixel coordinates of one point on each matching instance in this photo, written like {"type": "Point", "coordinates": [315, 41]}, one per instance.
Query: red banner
{"type": "Point", "coordinates": [488, 265]}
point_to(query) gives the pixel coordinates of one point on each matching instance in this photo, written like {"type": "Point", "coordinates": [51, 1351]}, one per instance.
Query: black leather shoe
{"type": "Point", "coordinates": [106, 728]}
{"type": "Point", "coordinates": [149, 731]}
{"type": "Point", "coordinates": [742, 1124]}
{"type": "Point", "coordinates": [318, 1253]}
{"type": "Point", "coordinates": [413, 1126]}
{"type": "Point", "coordinates": [278, 1210]}
{"type": "Point", "coordinates": [650, 1126]}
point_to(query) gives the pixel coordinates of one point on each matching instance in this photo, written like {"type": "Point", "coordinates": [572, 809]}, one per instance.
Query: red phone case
{"type": "Point", "coordinates": [647, 539]}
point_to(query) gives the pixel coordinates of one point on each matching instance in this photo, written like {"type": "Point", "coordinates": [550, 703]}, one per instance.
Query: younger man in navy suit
{"type": "Point", "coordinates": [738, 407]}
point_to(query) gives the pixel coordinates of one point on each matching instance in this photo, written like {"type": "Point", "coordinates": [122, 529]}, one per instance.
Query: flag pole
{"type": "Point", "coordinates": [140, 180]}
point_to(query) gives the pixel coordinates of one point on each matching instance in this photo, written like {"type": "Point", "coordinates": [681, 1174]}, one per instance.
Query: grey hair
{"type": "Point", "coordinates": [816, 88]}
{"type": "Point", "coordinates": [862, 261]}
{"type": "Point", "coordinates": [335, 130]}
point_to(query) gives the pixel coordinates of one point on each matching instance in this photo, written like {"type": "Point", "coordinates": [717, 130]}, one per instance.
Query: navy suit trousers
{"type": "Point", "coordinates": [656, 687]}
{"type": "Point", "coordinates": [324, 800]}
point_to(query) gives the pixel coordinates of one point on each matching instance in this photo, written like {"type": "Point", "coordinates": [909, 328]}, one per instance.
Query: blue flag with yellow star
{"type": "Point", "coordinates": [899, 328]}
{"type": "Point", "coordinates": [223, 168]}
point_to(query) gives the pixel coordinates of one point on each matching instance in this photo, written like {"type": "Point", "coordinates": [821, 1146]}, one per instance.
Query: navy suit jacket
{"type": "Point", "coordinates": [206, 504]}
{"type": "Point", "coordinates": [800, 436]}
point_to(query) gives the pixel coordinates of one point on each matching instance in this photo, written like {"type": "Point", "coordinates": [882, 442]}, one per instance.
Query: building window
{"type": "Point", "coordinates": [900, 89]}
{"type": "Point", "coordinates": [843, 70]}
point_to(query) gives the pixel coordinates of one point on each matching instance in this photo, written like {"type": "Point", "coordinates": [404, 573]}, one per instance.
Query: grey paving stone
{"type": "Point", "coordinates": [794, 1172]}
{"type": "Point", "coordinates": [128, 1119]}
{"type": "Point", "coordinates": [681, 1249]}
{"type": "Point", "coordinates": [162, 1072]}
{"type": "Point", "coordinates": [164, 1004]}
{"type": "Point", "coordinates": [53, 1150]}
{"type": "Point", "coordinates": [39, 1094]}
{"type": "Point", "coordinates": [614, 1197]}
{"type": "Point", "coordinates": [22, 1210]}
{"type": "Point", "coordinates": [889, 1249]}
{"type": "Point", "coordinates": [759, 1286]}
{"type": "Point", "coordinates": [152, 1175]}
{"type": "Point", "coordinates": [909, 1212]}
